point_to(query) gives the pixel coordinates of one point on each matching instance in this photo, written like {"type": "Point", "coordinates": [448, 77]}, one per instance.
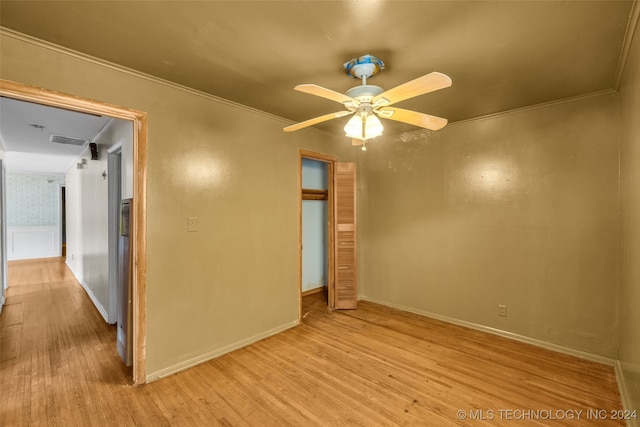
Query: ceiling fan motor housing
{"type": "Point", "coordinates": [364, 93]}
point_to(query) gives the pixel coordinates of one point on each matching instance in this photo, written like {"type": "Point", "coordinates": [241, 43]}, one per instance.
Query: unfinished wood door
{"type": "Point", "coordinates": [345, 292]}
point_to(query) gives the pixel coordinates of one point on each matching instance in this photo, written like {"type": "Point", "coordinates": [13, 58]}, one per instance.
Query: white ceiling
{"type": "Point", "coordinates": [501, 55]}
{"type": "Point", "coordinates": [25, 129]}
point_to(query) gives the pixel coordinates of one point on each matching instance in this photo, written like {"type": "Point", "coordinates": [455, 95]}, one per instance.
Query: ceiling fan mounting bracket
{"type": "Point", "coordinates": [363, 67]}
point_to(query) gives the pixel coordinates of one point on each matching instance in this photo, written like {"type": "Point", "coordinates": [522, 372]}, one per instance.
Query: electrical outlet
{"type": "Point", "coordinates": [192, 223]}
{"type": "Point", "coordinates": [502, 310]}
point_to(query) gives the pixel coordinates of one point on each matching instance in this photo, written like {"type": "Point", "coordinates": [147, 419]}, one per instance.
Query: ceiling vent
{"type": "Point", "coordinates": [59, 139]}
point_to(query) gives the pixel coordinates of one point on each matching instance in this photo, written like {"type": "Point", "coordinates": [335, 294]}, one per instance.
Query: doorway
{"type": "Point", "coordinates": [139, 124]}
{"type": "Point", "coordinates": [315, 224]}
{"type": "Point", "coordinates": [316, 230]}
{"type": "Point", "coordinates": [339, 215]}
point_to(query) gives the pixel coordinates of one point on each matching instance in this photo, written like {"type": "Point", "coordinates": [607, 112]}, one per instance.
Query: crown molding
{"type": "Point", "coordinates": [135, 73]}
{"type": "Point", "coordinates": [536, 106]}
{"type": "Point", "coordinates": [513, 111]}
{"type": "Point", "coordinates": [632, 25]}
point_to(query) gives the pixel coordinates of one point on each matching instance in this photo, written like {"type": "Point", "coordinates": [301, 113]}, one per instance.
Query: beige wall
{"type": "Point", "coordinates": [629, 354]}
{"type": "Point", "coordinates": [519, 209]}
{"type": "Point", "coordinates": [234, 169]}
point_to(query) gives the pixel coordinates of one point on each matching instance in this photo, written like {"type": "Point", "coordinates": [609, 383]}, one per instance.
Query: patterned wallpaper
{"type": "Point", "coordinates": [33, 199]}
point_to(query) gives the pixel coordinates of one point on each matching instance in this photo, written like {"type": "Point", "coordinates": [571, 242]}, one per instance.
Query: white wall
{"type": "Point", "coordinates": [121, 133]}
{"type": "Point", "coordinates": [33, 215]}
{"type": "Point", "coordinates": [314, 227]}
{"type": "Point", "coordinates": [87, 214]}
{"type": "Point", "coordinates": [74, 222]}
{"type": "Point", "coordinates": [314, 244]}
{"type": "Point", "coordinates": [33, 242]}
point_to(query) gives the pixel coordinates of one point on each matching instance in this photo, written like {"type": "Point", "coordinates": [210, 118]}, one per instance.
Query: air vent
{"type": "Point", "coordinates": [58, 139]}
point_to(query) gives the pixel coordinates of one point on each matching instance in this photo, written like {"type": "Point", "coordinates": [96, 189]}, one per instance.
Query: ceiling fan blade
{"type": "Point", "coordinates": [425, 84]}
{"type": "Point", "coordinates": [412, 117]}
{"type": "Point", "coordinates": [325, 93]}
{"type": "Point", "coordinates": [315, 120]}
{"type": "Point", "coordinates": [356, 141]}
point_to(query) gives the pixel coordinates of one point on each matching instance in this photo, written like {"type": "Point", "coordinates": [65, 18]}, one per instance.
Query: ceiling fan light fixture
{"type": "Point", "coordinates": [372, 127]}
{"type": "Point", "coordinates": [353, 128]}
{"type": "Point", "coordinates": [367, 103]}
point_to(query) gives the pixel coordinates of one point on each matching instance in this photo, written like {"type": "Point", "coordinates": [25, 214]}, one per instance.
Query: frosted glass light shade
{"type": "Point", "coordinates": [372, 127]}
{"type": "Point", "coordinates": [353, 128]}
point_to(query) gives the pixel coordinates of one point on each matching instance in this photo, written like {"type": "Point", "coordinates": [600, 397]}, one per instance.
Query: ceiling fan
{"type": "Point", "coordinates": [367, 102]}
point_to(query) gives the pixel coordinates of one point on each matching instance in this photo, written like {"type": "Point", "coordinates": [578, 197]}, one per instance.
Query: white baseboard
{"type": "Point", "coordinates": [94, 299]}
{"type": "Point", "coordinates": [522, 338]}
{"type": "Point", "coordinates": [99, 306]}
{"type": "Point", "coordinates": [96, 302]}
{"type": "Point", "coordinates": [627, 404]}
{"type": "Point", "coordinates": [170, 370]}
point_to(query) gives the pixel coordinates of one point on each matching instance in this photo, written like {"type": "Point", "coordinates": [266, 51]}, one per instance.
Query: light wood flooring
{"type": "Point", "coordinates": [371, 367]}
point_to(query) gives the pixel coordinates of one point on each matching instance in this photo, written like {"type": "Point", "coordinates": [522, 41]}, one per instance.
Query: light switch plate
{"type": "Point", "coordinates": [502, 310]}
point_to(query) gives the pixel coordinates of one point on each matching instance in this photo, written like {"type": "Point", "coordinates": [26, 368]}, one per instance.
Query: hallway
{"type": "Point", "coordinates": [54, 348]}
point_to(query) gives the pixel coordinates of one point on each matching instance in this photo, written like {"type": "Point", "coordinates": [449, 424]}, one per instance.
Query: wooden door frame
{"type": "Point", "coordinates": [51, 98]}
{"type": "Point", "coordinates": [330, 161]}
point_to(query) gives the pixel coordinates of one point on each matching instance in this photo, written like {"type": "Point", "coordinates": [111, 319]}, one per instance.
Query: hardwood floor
{"type": "Point", "coordinates": [371, 367]}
